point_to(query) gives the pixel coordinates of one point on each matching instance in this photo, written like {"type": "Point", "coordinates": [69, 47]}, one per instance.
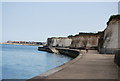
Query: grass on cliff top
{"type": "Point", "coordinates": [58, 38]}
{"type": "Point", "coordinates": [114, 17]}
{"type": "Point", "coordinates": [84, 33]}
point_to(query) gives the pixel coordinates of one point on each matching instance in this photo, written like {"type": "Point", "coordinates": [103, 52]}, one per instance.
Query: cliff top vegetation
{"type": "Point", "coordinates": [114, 17]}
{"type": "Point", "coordinates": [84, 33]}
{"type": "Point", "coordinates": [58, 38]}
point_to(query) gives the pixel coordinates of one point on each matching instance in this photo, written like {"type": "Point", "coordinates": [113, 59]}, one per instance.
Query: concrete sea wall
{"type": "Point", "coordinates": [117, 61]}
{"type": "Point", "coordinates": [108, 50]}
{"type": "Point", "coordinates": [117, 57]}
{"type": "Point", "coordinates": [107, 43]}
{"type": "Point", "coordinates": [69, 52]}
{"type": "Point", "coordinates": [65, 51]}
{"type": "Point", "coordinates": [45, 49]}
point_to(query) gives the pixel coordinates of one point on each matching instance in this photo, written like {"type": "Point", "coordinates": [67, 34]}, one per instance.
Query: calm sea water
{"type": "Point", "coordinates": [25, 62]}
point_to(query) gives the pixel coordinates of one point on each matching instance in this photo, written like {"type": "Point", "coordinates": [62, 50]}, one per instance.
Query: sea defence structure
{"type": "Point", "coordinates": [65, 51]}
{"type": "Point", "coordinates": [79, 41]}
{"type": "Point", "coordinates": [85, 67]}
{"type": "Point", "coordinates": [106, 42]}
{"type": "Point", "coordinates": [92, 64]}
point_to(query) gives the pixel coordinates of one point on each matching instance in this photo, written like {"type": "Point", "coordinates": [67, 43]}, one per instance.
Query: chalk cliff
{"type": "Point", "coordinates": [111, 36]}
{"type": "Point", "coordinates": [59, 42]}
{"type": "Point", "coordinates": [106, 41]}
{"type": "Point", "coordinates": [83, 41]}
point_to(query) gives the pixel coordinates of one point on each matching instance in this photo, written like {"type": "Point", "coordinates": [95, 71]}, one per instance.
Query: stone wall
{"type": "Point", "coordinates": [117, 57]}
{"type": "Point", "coordinates": [59, 42]}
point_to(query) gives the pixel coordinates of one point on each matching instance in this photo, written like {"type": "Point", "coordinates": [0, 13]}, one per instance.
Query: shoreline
{"type": "Point", "coordinates": [91, 65]}
{"type": "Point", "coordinates": [22, 44]}
{"type": "Point", "coordinates": [59, 68]}
{"type": "Point", "coordinates": [73, 53]}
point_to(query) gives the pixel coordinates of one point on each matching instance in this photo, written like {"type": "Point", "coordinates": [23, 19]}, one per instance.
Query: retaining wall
{"type": "Point", "coordinates": [117, 57]}
{"type": "Point", "coordinates": [69, 52]}
{"type": "Point", "coordinates": [65, 51]}
{"type": "Point", "coordinates": [107, 51]}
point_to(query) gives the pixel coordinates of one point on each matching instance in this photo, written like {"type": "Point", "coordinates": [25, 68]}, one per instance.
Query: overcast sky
{"type": "Point", "coordinates": [36, 21]}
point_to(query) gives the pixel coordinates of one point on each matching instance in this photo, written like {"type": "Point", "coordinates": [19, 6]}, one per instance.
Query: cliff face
{"type": "Point", "coordinates": [82, 41]}
{"type": "Point", "coordinates": [59, 42]}
{"type": "Point", "coordinates": [111, 36]}
{"type": "Point", "coordinates": [107, 41]}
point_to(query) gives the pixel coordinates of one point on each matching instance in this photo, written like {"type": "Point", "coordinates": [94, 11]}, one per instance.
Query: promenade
{"type": "Point", "coordinates": [90, 66]}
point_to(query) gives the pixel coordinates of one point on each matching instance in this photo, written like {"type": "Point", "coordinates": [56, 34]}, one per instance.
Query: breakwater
{"type": "Point", "coordinates": [69, 52]}
{"type": "Point", "coordinates": [45, 49]}
{"type": "Point", "coordinates": [65, 51]}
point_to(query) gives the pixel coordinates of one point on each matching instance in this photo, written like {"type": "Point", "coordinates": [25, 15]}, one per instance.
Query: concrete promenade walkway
{"type": "Point", "coordinates": [90, 66]}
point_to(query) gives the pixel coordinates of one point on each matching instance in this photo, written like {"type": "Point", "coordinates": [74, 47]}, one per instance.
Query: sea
{"type": "Point", "coordinates": [25, 62]}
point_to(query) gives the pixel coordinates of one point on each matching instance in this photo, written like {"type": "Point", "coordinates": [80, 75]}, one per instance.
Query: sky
{"type": "Point", "coordinates": [0, 21]}
{"type": "Point", "coordinates": [36, 21]}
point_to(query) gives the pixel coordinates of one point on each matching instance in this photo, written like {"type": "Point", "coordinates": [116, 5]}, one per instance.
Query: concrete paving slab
{"type": "Point", "coordinates": [91, 66]}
